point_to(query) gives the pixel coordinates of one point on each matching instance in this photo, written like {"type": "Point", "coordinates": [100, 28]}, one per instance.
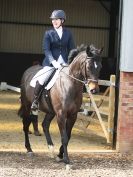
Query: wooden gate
{"type": "Point", "coordinates": [94, 103]}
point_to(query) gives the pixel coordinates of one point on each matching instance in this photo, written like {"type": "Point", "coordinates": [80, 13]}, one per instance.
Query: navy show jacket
{"type": "Point", "coordinates": [53, 46]}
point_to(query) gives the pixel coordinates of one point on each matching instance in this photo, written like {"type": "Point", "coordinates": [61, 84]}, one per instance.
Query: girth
{"type": "Point", "coordinates": [48, 100]}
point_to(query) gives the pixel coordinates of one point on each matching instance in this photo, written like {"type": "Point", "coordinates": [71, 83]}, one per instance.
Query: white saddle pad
{"type": "Point", "coordinates": [52, 81]}
{"type": "Point", "coordinates": [41, 80]}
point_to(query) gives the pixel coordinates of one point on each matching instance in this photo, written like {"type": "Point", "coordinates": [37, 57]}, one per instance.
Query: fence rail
{"type": "Point", "coordinates": [109, 95]}
{"type": "Point", "coordinates": [5, 86]}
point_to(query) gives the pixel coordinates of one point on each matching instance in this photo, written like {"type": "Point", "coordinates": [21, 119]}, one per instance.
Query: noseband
{"type": "Point", "coordinates": [92, 80]}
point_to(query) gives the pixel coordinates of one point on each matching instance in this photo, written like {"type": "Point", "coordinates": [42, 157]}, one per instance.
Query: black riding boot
{"type": "Point", "coordinates": [37, 93]}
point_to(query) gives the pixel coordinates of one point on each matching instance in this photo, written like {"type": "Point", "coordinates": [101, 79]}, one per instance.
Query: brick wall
{"type": "Point", "coordinates": [125, 113]}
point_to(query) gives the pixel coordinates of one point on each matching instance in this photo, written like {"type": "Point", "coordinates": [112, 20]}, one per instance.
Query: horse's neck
{"type": "Point", "coordinates": [75, 68]}
{"type": "Point", "coordinates": [70, 82]}
{"type": "Point", "coordinates": [75, 71]}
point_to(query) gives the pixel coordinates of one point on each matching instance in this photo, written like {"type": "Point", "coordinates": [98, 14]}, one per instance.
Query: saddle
{"type": "Point", "coordinates": [47, 86]}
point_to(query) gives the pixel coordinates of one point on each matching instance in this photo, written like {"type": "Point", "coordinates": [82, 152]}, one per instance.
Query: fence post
{"type": "Point", "coordinates": [111, 109]}
{"type": "Point", "coordinates": [97, 112]}
{"type": "Point", "coordinates": [3, 86]}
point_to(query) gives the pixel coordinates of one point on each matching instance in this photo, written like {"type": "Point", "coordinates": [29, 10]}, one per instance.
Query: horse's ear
{"type": "Point", "coordinates": [88, 50]}
{"type": "Point", "coordinates": [100, 50]}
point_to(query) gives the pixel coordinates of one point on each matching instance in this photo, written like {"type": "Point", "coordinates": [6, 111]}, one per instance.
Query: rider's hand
{"type": "Point", "coordinates": [56, 64]}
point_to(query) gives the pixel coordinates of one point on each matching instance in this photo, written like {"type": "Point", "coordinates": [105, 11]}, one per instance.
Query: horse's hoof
{"type": "Point", "coordinates": [37, 133]}
{"type": "Point", "coordinates": [51, 149]}
{"type": "Point", "coordinates": [29, 132]}
{"type": "Point", "coordinates": [30, 153]}
{"type": "Point", "coordinates": [58, 159]}
{"type": "Point", "coordinates": [68, 167]}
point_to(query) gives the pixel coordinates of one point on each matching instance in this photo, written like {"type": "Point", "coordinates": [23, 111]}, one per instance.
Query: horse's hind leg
{"type": "Point", "coordinates": [26, 124]}
{"type": "Point", "coordinates": [35, 124]}
{"type": "Point", "coordinates": [46, 124]}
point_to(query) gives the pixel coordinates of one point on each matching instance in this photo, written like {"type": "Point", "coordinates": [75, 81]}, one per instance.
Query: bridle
{"type": "Point", "coordinates": [86, 81]}
{"type": "Point", "coordinates": [89, 80]}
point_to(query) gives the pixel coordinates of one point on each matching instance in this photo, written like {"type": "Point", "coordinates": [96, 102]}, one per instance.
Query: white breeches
{"type": "Point", "coordinates": [42, 76]}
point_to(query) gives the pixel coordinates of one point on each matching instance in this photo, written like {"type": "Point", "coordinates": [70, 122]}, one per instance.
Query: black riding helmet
{"type": "Point", "coordinates": [58, 14]}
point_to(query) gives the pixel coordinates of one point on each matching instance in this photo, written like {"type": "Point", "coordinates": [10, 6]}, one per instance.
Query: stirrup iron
{"type": "Point", "coordinates": [35, 105]}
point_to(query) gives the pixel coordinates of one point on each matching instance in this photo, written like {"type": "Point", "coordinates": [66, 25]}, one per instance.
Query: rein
{"type": "Point", "coordinates": [83, 82]}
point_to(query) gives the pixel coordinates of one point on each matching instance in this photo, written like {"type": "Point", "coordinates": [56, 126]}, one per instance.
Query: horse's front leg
{"type": "Point", "coordinates": [46, 124]}
{"type": "Point", "coordinates": [61, 119]}
{"type": "Point", "coordinates": [26, 124]}
{"type": "Point", "coordinates": [69, 125]}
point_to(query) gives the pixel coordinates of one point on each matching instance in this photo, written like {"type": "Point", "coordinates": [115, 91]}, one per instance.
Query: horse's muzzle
{"type": "Point", "coordinates": [94, 87]}
{"type": "Point", "coordinates": [94, 91]}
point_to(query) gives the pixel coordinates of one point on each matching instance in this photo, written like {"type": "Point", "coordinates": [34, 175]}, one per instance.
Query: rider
{"type": "Point", "coordinates": [57, 44]}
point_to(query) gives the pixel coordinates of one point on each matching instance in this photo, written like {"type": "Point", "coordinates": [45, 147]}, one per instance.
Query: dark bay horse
{"type": "Point", "coordinates": [66, 95]}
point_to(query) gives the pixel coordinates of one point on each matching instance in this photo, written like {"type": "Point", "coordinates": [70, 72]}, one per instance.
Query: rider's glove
{"type": "Point", "coordinates": [56, 64]}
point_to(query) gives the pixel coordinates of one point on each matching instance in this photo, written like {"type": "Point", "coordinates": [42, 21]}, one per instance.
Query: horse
{"type": "Point", "coordinates": [65, 95]}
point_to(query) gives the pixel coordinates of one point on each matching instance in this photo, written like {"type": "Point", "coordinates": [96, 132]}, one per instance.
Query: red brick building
{"type": "Point", "coordinates": [125, 108]}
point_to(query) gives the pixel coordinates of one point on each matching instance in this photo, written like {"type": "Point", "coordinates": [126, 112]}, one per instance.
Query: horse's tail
{"type": "Point", "coordinates": [22, 110]}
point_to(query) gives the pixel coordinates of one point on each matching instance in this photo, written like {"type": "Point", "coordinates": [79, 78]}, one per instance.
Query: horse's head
{"type": "Point", "coordinates": [86, 62]}
{"type": "Point", "coordinates": [93, 66]}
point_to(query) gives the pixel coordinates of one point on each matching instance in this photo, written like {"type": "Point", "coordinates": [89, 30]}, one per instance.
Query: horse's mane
{"type": "Point", "coordinates": [74, 52]}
